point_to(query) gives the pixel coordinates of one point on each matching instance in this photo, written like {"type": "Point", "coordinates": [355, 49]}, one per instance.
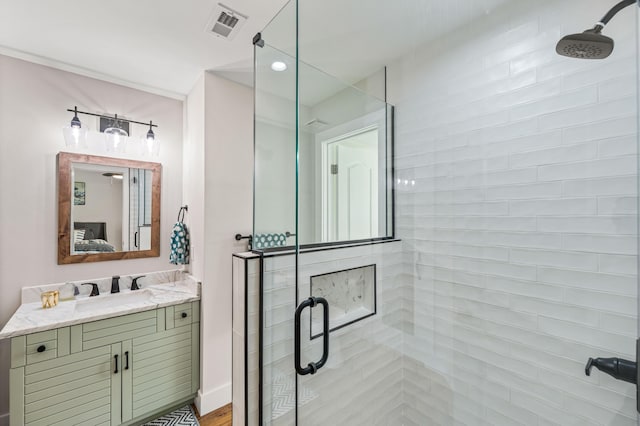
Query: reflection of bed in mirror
{"type": "Point", "coordinates": [93, 239]}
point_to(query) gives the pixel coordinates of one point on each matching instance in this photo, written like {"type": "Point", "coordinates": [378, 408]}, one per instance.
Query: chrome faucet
{"type": "Point", "coordinates": [115, 284]}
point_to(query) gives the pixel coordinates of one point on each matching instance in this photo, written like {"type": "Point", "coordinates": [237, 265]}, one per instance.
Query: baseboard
{"type": "Point", "coordinates": [212, 400]}
{"type": "Point", "coordinates": [4, 419]}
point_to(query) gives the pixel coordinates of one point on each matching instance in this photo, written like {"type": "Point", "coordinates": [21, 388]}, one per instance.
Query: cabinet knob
{"type": "Point", "coordinates": [41, 348]}
{"type": "Point", "coordinates": [183, 315]}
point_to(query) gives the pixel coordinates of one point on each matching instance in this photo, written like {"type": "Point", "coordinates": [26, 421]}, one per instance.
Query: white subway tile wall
{"type": "Point", "coordinates": [520, 233]}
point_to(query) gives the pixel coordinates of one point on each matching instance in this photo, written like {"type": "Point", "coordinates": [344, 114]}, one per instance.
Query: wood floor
{"type": "Point", "coordinates": [220, 417]}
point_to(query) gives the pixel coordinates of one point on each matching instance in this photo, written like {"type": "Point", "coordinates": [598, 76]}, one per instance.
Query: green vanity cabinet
{"type": "Point", "coordinates": [115, 371]}
{"type": "Point", "coordinates": [74, 387]}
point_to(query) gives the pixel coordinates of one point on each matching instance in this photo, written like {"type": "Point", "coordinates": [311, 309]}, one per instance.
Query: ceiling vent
{"type": "Point", "coordinates": [315, 124]}
{"type": "Point", "coordinates": [225, 22]}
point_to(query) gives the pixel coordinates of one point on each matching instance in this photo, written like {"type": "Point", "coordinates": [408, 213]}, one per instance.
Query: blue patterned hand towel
{"type": "Point", "coordinates": [179, 244]}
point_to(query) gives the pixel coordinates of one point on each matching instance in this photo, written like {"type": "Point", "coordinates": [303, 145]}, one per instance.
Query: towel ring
{"type": "Point", "coordinates": [182, 211]}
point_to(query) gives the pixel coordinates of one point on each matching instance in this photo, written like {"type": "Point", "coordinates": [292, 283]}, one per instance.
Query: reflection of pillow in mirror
{"type": "Point", "coordinates": [88, 235]}
{"type": "Point", "coordinates": [78, 235]}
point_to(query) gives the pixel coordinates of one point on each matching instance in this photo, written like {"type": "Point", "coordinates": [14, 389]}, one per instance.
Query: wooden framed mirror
{"type": "Point", "coordinates": [108, 208]}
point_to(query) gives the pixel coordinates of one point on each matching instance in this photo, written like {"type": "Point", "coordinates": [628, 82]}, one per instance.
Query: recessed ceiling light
{"type": "Point", "coordinates": [278, 66]}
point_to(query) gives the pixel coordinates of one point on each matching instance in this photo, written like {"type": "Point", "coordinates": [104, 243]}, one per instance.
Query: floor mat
{"type": "Point", "coordinates": [181, 417]}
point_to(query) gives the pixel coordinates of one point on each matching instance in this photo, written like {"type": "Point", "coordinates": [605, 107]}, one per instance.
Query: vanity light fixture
{"type": "Point", "coordinates": [150, 135]}
{"type": "Point", "coordinates": [75, 121]}
{"type": "Point", "coordinates": [75, 134]}
{"type": "Point", "coordinates": [114, 136]}
{"type": "Point", "coordinates": [278, 66]}
{"type": "Point", "coordinates": [150, 145]}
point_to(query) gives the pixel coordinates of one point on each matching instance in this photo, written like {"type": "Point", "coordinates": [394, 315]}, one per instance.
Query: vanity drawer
{"type": "Point", "coordinates": [42, 346]}
{"type": "Point", "coordinates": [34, 348]}
{"type": "Point", "coordinates": [113, 330]}
{"type": "Point", "coordinates": [183, 314]}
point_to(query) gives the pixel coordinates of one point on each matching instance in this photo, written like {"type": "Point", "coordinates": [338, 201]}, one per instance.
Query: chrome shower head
{"type": "Point", "coordinates": [590, 44]}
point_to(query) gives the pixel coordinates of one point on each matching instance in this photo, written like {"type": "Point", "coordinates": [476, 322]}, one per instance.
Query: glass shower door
{"type": "Point", "coordinates": [516, 185]}
{"type": "Point", "coordinates": [348, 321]}
{"type": "Point", "coordinates": [272, 378]}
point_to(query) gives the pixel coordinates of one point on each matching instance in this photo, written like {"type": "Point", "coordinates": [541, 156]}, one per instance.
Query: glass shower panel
{"type": "Point", "coordinates": [275, 154]}
{"type": "Point", "coordinates": [344, 154]}
{"type": "Point", "coordinates": [361, 382]}
{"type": "Point", "coordinates": [280, 32]}
{"type": "Point", "coordinates": [274, 150]}
{"type": "Point", "coordinates": [278, 385]}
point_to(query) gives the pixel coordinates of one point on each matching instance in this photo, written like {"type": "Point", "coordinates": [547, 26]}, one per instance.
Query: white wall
{"type": "Point", "coordinates": [220, 132]}
{"type": "Point", "coordinates": [193, 177]}
{"type": "Point", "coordinates": [275, 193]}
{"type": "Point", "coordinates": [275, 189]}
{"type": "Point", "coordinates": [521, 227]}
{"type": "Point", "coordinates": [103, 203]}
{"type": "Point", "coordinates": [33, 103]}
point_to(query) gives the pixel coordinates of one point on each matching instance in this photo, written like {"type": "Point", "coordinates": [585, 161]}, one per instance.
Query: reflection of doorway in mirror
{"type": "Point", "coordinates": [139, 217]}
{"type": "Point", "coordinates": [351, 178]}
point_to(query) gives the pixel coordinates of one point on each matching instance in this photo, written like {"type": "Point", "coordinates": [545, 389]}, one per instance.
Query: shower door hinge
{"type": "Point", "coordinates": [334, 169]}
{"type": "Point", "coordinates": [257, 40]}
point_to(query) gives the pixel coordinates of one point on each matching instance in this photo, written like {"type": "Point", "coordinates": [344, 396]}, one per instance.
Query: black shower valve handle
{"type": "Point", "coordinates": [618, 368]}
{"type": "Point", "coordinates": [587, 368]}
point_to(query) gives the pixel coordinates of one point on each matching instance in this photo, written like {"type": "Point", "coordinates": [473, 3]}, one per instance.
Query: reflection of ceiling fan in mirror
{"type": "Point", "coordinates": [113, 175]}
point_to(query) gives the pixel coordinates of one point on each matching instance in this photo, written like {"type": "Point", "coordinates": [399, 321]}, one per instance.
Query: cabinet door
{"type": "Point", "coordinates": [161, 369]}
{"type": "Point", "coordinates": [127, 377]}
{"type": "Point", "coordinates": [69, 390]}
{"type": "Point", "coordinates": [116, 383]}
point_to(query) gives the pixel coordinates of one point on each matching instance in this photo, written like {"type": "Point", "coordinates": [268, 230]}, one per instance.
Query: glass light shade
{"type": "Point", "coordinates": [149, 146]}
{"type": "Point", "coordinates": [115, 138]}
{"type": "Point", "coordinates": [75, 137]}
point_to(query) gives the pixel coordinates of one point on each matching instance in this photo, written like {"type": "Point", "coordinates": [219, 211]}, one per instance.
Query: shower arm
{"type": "Point", "coordinates": [611, 13]}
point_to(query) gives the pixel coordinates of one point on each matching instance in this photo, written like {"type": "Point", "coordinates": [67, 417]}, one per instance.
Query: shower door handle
{"type": "Point", "coordinates": [312, 367]}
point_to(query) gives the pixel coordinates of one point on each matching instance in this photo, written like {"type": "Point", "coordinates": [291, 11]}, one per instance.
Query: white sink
{"type": "Point", "coordinates": [111, 301]}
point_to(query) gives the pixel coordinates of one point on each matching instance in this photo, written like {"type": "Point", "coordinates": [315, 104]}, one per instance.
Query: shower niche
{"type": "Point", "coordinates": [351, 294]}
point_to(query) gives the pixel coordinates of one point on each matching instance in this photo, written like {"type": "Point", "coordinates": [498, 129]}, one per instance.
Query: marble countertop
{"type": "Point", "coordinates": [31, 317]}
